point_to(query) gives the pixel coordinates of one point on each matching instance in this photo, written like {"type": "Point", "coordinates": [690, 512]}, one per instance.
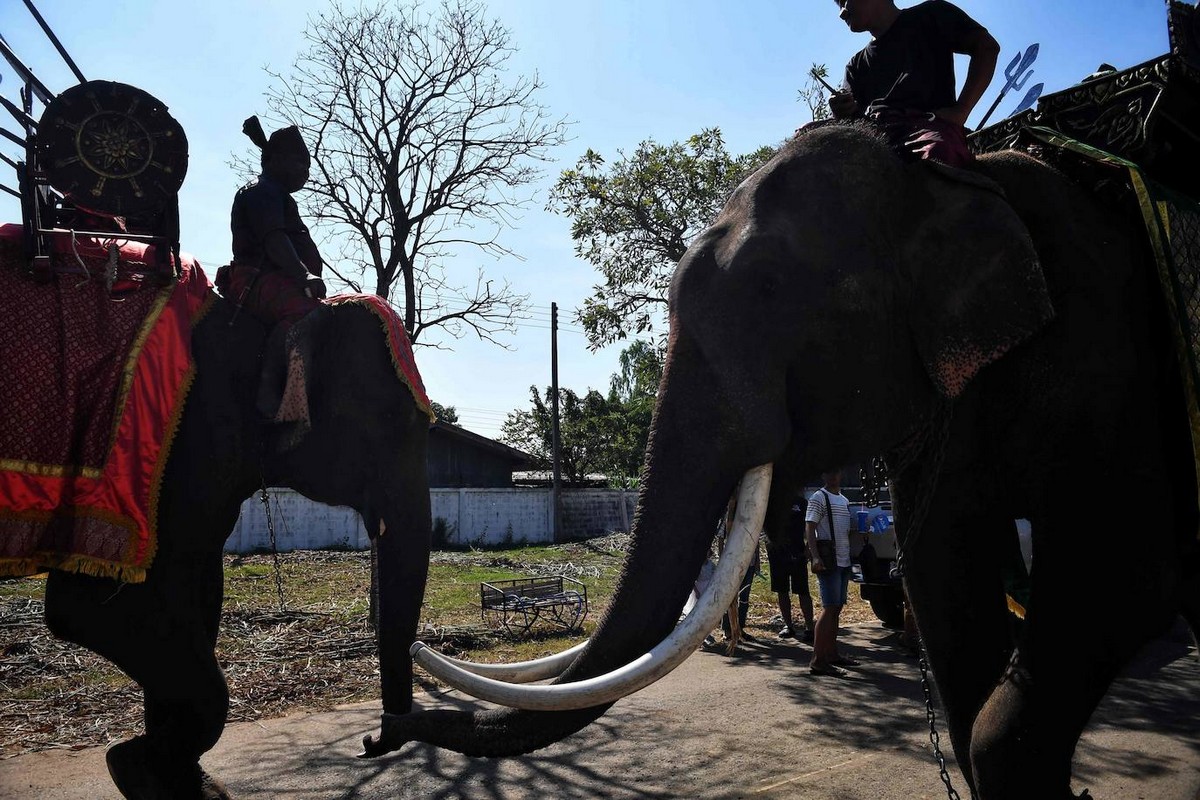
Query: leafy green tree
{"type": "Point", "coordinates": [634, 219]}
{"type": "Point", "coordinates": [599, 434]}
{"type": "Point", "coordinates": [641, 370]}
{"type": "Point", "coordinates": [632, 391]}
{"type": "Point", "coordinates": [445, 413]}
{"type": "Point", "coordinates": [586, 425]}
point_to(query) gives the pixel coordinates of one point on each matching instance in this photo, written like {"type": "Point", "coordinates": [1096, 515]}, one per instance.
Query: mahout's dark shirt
{"type": "Point", "coordinates": [911, 66]}
{"type": "Point", "coordinates": [263, 206]}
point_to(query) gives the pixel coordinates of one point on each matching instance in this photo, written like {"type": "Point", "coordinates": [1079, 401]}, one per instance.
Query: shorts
{"type": "Point", "coordinates": [834, 584]}
{"type": "Point", "coordinates": [789, 573]}
{"type": "Point", "coordinates": [924, 136]}
{"type": "Point", "coordinates": [268, 295]}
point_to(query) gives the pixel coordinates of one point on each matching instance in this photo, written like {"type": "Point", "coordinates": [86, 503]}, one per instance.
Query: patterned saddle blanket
{"type": "Point", "coordinates": [94, 380]}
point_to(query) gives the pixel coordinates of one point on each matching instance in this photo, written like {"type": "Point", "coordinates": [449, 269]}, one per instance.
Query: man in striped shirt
{"type": "Point", "coordinates": [826, 506]}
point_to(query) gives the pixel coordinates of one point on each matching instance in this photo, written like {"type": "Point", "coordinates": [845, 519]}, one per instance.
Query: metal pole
{"type": "Point", "coordinates": [23, 72]}
{"type": "Point", "coordinates": [62, 51]}
{"type": "Point", "coordinates": [555, 494]}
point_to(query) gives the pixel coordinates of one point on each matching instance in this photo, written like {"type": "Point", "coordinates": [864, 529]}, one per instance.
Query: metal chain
{"type": "Point", "coordinates": [928, 447]}
{"type": "Point", "coordinates": [871, 478]}
{"type": "Point", "coordinates": [931, 718]}
{"type": "Point", "coordinates": [266, 501]}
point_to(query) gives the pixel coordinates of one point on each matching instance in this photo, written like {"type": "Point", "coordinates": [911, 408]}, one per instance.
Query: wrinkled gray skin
{"type": "Point", "coordinates": [366, 450]}
{"type": "Point", "coordinates": [837, 296]}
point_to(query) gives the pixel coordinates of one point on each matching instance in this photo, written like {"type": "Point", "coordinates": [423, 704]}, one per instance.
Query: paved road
{"type": "Point", "coordinates": [754, 726]}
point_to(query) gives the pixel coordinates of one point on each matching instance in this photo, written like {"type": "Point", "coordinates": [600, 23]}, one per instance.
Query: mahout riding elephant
{"type": "Point", "coordinates": [366, 449]}
{"type": "Point", "coordinates": [1001, 334]}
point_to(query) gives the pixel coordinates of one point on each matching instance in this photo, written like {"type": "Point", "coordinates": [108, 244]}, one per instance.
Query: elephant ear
{"type": "Point", "coordinates": [977, 288]}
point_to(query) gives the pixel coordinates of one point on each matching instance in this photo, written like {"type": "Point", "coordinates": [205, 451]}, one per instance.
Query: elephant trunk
{"type": "Point", "coordinates": [686, 483]}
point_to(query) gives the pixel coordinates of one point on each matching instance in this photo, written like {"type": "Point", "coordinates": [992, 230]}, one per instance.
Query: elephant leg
{"type": "Point", "coordinates": [1078, 635]}
{"type": "Point", "coordinates": [955, 587]}
{"type": "Point", "coordinates": [161, 634]}
{"type": "Point", "coordinates": [403, 561]}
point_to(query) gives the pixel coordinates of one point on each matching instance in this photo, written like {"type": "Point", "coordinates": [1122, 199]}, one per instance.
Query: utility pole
{"type": "Point", "coordinates": [555, 492]}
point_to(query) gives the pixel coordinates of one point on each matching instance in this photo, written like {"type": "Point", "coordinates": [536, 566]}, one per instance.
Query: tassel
{"type": "Point", "coordinates": [253, 128]}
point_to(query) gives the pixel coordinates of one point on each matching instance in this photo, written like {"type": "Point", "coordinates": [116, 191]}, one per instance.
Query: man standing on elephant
{"type": "Point", "coordinates": [827, 521]}
{"type": "Point", "coordinates": [904, 79]}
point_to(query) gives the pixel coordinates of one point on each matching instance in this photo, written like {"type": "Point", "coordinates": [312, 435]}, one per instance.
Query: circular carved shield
{"type": "Point", "coordinates": [113, 148]}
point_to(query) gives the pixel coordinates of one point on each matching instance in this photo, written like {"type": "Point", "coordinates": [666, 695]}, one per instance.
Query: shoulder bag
{"type": "Point", "coordinates": [825, 549]}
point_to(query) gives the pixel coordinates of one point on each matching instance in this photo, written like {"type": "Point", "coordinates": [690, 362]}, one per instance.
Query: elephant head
{"type": "Point", "coordinates": [833, 271]}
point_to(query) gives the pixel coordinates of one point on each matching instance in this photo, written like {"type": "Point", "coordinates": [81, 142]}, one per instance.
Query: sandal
{"type": "Point", "coordinates": [828, 670]}
{"type": "Point", "coordinates": [845, 661]}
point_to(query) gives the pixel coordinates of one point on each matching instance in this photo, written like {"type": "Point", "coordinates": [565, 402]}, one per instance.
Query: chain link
{"type": "Point", "coordinates": [266, 501]}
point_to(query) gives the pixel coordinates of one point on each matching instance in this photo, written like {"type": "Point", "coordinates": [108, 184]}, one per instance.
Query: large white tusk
{"type": "Point", "coordinates": [524, 671]}
{"type": "Point", "coordinates": [646, 669]}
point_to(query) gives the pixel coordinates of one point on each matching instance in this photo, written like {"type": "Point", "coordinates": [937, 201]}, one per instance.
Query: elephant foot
{"type": "Point", "coordinates": [389, 740]}
{"type": "Point", "coordinates": [141, 774]}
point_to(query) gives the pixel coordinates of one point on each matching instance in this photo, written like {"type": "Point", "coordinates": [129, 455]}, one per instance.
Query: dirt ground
{"type": "Point", "coordinates": [756, 725]}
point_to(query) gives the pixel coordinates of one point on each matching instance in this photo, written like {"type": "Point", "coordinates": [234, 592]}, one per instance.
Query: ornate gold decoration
{"type": "Point", "coordinates": [112, 147]}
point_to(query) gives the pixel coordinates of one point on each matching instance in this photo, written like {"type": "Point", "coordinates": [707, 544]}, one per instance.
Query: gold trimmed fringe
{"type": "Point", "coordinates": [48, 470]}
{"type": "Point", "coordinates": [164, 454]}
{"type": "Point", "coordinates": [128, 372]}
{"type": "Point", "coordinates": [84, 565]}
{"type": "Point", "coordinates": [19, 567]}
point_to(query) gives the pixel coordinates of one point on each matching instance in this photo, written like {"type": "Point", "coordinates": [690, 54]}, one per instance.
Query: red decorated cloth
{"type": "Point", "coordinates": [398, 344]}
{"type": "Point", "coordinates": [93, 385]}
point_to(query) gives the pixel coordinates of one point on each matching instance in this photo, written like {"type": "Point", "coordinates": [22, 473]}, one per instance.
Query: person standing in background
{"type": "Point", "coordinates": [827, 526]}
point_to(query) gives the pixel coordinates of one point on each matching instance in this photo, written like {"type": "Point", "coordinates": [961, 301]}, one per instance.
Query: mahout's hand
{"type": "Point", "coordinates": [315, 288]}
{"type": "Point", "coordinates": [842, 105]}
{"type": "Point", "coordinates": [952, 114]}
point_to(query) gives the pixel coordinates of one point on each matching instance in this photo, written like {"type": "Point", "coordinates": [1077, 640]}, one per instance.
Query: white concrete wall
{"type": "Point", "coordinates": [491, 516]}
{"type": "Point", "coordinates": [462, 516]}
{"type": "Point", "coordinates": [300, 524]}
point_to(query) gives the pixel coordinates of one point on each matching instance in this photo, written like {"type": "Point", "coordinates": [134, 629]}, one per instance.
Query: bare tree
{"type": "Point", "coordinates": [422, 147]}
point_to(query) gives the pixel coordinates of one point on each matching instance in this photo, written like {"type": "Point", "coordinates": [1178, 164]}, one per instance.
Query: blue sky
{"type": "Point", "coordinates": [621, 70]}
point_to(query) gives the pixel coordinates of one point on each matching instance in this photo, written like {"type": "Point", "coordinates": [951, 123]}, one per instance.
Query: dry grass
{"type": "Point", "coordinates": [317, 653]}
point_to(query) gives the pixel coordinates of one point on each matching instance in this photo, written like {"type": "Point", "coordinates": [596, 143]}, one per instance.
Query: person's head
{"type": "Point", "coordinates": [832, 478]}
{"type": "Point", "coordinates": [285, 157]}
{"type": "Point", "coordinates": [867, 15]}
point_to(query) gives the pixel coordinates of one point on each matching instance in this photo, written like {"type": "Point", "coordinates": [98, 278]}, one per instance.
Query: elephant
{"type": "Point", "coordinates": [999, 332]}
{"type": "Point", "coordinates": [366, 449]}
